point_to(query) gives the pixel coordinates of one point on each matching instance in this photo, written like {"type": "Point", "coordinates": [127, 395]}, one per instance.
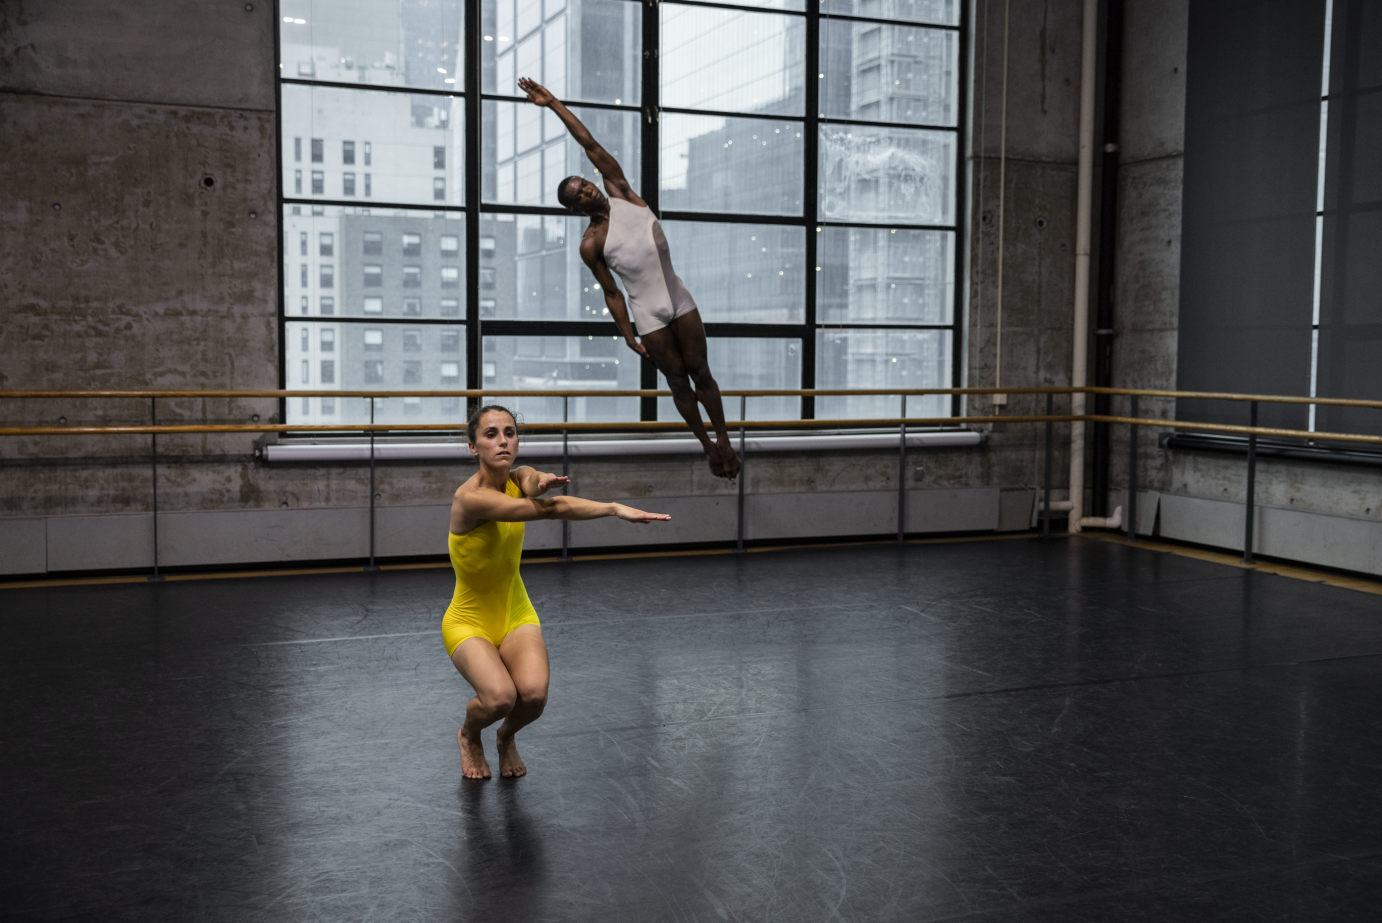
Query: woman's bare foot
{"type": "Point", "coordinates": [473, 764]}
{"type": "Point", "coordinates": [510, 763]}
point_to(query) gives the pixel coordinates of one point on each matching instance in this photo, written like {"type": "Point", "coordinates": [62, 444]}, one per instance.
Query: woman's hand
{"type": "Point", "coordinates": [629, 514]}
{"type": "Point", "coordinates": [547, 481]}
{"type": "Point", "coordinates": [537, 93]}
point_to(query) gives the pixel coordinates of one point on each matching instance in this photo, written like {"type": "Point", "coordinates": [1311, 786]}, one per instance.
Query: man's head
{"type": "Point", "coordinates": [581, 195]}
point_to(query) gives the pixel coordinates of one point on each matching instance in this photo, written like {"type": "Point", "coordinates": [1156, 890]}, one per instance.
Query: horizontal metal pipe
{"type": "Point", "coordinates": [458, 451]}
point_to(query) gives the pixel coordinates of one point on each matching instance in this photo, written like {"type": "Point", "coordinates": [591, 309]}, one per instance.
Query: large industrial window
{"type": "Point", "coordinates": [805, 163]}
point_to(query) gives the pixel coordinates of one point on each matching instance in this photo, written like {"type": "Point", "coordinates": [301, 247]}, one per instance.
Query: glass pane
{"type": "Point", "coordinates": [749, 364]}
{"type": "Point", "coordinates": [741, 273]}
{"type": "Point", "coordinates": [360, 262]}
{"type": "Point", "coordinates": [938, 12]}
{"type": "Point", "coordinates": [882, 359]}
{"type": "Point", "coordinates": [732, 61]}
{"type": "Point", "coordinates": [583, 363]}
{"type": "Point", "coordinates": [587, 52]}
{"type": "Point", "coordinates": [889, 73]}
{"type": "Point", "coordinates": [532, 152]}
{"type": "Point", "coordinates": [531, 269]}
{"type": "Point", "coordinates": [388, 44]}
{"type": "Point", "coordinates": [885, 276]}
{"type": "Point", "coordinates": [364, 144]}
{"type": "Point", "coordinates": [355, 356]}
{"type": "Point", "coordinates": [887, 174]}
{"type": "Point", "coordinates": [731, 165]}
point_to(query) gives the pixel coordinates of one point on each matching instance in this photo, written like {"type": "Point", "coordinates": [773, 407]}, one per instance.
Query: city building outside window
{"type": "Point", "coordinates": [438, 158]}
{"type": "Point", "coordinates": [487, 247]}
{"type": "Point", "coordinates": [412, 341]}
{"type": "Point", "coordinates": [326, 244]}
{"type": "Point", "coordinates": [450, 246]}
{"type": "Point", "coordinates": [373, 305]}
{"type": "Point", "coordinates": [412, 307]}
{"type": "Point", "coordinates": [302, 243]}
{"type": "Point", "coordinates": [306, 340]}
{"type": "Point", "coordinates": [450, 341]}
{"type": "Point", "coordinates": [318, 182]}
{"type": "Point", "coordinates": [374, 243]}
{"type": "Point", "coordinates": [368, 190]}
{"type": "Point", "coordinates": [328, 275]}
{"type": "Point", "coordinates": [328, 306]}
{"type": "Point", "coordinates": [450, 277]}
{"type": "Point", "coordinates": [347, 152]}
{"type": "Point", "coordinates": [306, 372]}
{"type": "Point", "coordinates": [304, 275]}
{"type": "Point", "coordinates": [412, 372]}
{"type": "Point", "coordinates": [348, 184]}
{"type": "Point", "coordinates": [328, 341]}
{"type": "Point", "coordinates": [412, 245]}
{"type": "Point", "coordinates": [297, 150]}
{"type": "Point", "coordinates": [412, 277]}
{"type": "Point", "coordinates": [374, 340]}
{"type": "Point", "coordinates": [450, 374]}
{"type": "Point", "coordinates": [368, 150]}
{"type": "Point", "coordinates": [439, 189]}
{"type": "Point", "coordinates": [329, 403]}
{"type": "Point", "coordinates": [374, 371]}
{"type": "Point", "coordinates": [487, 278]}
{"type": "Point", "coordinates": [412, 406]}
{"type": "Point", "coordinates": [303, 304]}
{"type": "Point", "coordinates": [328, 377]}
{"type": "Point", "coordinates": [318, 146]}
{"type": "Point", "coordinates": [374, 276]}
{"type": "Point", "coordinates": [488, 307]}
{"type": "Point", "coordinates": [297, 182]}
{"type": "Point", "coordinates": [450, 307]}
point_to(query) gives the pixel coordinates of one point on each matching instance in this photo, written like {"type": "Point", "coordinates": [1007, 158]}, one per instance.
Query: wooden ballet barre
{"type": "Point", "coordinates": [1230, 428]}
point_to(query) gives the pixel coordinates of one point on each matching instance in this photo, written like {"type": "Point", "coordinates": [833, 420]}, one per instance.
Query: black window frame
{"type": "Point", "coordinates": [649, 109]}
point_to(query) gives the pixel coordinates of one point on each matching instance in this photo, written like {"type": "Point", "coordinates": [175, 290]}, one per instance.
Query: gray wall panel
{"type": "Point", "coordinates": [23, 546]}
{"type": "Point", "coordinates": [254, 536]}
{"type": "Point", "coordinates": [100, 542]}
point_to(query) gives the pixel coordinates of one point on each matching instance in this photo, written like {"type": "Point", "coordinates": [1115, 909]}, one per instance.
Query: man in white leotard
{"type": "Point", "coordinates": [624, 235]}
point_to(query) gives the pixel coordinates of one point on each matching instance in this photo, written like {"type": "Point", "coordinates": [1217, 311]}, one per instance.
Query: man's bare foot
{"type": "Point", "coordinates": [717, 466]}
{"type": "Point", "coordinates": [728, 460]}
{"type": "Point", "coordinates": [473, 764]}
{"type": "Point", "coordinates": [510, 763]}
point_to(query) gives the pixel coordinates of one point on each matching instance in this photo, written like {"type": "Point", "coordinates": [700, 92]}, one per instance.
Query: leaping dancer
{"type": "Point", "coordinates": [625, 235]}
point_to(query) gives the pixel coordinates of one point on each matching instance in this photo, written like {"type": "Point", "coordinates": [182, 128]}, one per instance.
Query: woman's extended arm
{"type": "Point", "coordinates": [482, 504]}
{"type": "Point", "coordinates": [609, 168]}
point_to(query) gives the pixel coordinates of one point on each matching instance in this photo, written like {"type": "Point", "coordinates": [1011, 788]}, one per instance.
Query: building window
{"type": "Point", "coordinates": [374, 305]}
{"type": "Point", "coordinates": [489, 371]}
{"type": "Point", "coordinates": [487, 278]}
{"type": "Point", "coordinates": [348, 184]}
{"type": "Point", "coordinates": [488, 307]}
{"type": "Point", "coordinates": [302, 243]}
{"type": "Point", "coordinates": [412, 307]}
{"type": "Point", "coordinates": [306, 372]}
{"type": "Point", "coordinates": [412, 405]}
{"type": "Point", "coordinates": [317, 149]}
{"type": "Point", "coordinates": [304, 275]}
{"type": "Point", "coordinates": [450, 374]}
{"type": "Point", "coordinates": [450, 246]}
{"type": "Point", "coordinates": [306, 406]}
{"type": "Point", "coordinates": [367, 153]}
{"type": "Point", "coordinates": [450, 277]}
{"type": "Point", "coordinates": [374, 340]}
{"type": "Point", "coordinates": [329, 403]}
{"type": "Point", "coordinates": [328, 275]}
{"type": "Point", "coordinates": [318, 182]}
{"type": "Point", "coordinates": [439, 189]}
{"type": "Point", "coordinates": [348, 152]}
{"type": "Point", "coordinates": [412, 372]}
{"type": "Point", "coordinates": [412, 277]}
{"type": "Point", "coordinates": [306, 345]}
{"type": "Point", "coordinates": [374, 243]}
{"type": "Point", "coordinates": [326, 244]}
{"type": "Point", "coordinates": [304, 305]}
{"type": "Point", "coordinates": [328, 340]}
{"type": "Point", "coordinates": [438, 158]}
{"type": "Point", "coordinates": [412, 245]}
{"type": "Point", "coordinates": [450, 307]}
{"type": "Point", "coordinates": [297, 182]}
{"type": "Point", "coordinates": [450, 341]}
{"type": "Point", "coordinates": [374, 276]}
{"type": "Point", "coordinates": [412, 341]}
{"type": "Point", "coordinates": [487, 248]}
{"type": "Point", "coordinates": [328, 305]}
{"type": "Point", "coordinates": [374, 371]}
{"type": "Point", "coordinates": [328, 376]}
{"type": "Point", "coordinates": [297, 150]}
{"type": "Point", "coordinates": [368, 192]}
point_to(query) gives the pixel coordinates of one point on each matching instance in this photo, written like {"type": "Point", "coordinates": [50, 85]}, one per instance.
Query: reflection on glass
{"type": "Point", "coordinates": [371, 145]}
{"type": "Point", "coordinates": [532, 154]}
{"type": "Point", "coordinates": [358, 356]}
{"type": "Point", "coordinates": [372, 258]}
{"type": "Point", "coordinates": [587, 363]}
{"type": "Point", "coordinates": [531, 269]}
{"type": "Point", "coordinates": [885, 276]}
{"type": "Point", "coordinates": [882, 359]}
{"type": "Point", "coordinates": [585, 52]}
{"type": "Point", "coordinates": [749, 364]}
{"type": "Point", "coordinates": [886, 174]}
{"type": "Point", "coordinates": [732, 61]}
{"type": "Point", "coordinates": [741, 273]}
{"type": "Point", "coordinates": [731, 165]}
{"type": "Point", "coordinates": [881, 73]}
{"type": "Point", "coordinates": [937, 12]}
{"type": "Point", "coordinates": [381, 44]}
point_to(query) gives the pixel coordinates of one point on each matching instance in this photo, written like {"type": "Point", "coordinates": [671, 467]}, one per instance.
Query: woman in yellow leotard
{"type": "Point", "coordinates": [490, 629]}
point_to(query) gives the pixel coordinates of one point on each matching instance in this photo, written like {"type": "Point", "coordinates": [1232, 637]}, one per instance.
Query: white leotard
{"type": "Point", "coordinates": [636, 249]}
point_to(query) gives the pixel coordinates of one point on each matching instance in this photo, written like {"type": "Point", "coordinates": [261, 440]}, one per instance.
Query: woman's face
{"type": "Point", "coordinates": [496, 440]}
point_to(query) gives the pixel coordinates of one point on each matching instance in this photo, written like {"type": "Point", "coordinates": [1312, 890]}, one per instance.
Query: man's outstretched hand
{"type": "Point", "coordinates": [637, 347]}
{"type": "Point", "coordinates": [537, 93]}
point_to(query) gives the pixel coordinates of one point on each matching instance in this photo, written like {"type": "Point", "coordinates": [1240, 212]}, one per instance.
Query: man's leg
{"type": "Point", "coordinates": [690, 336]}
{"type": "Point", "coordinates": [664, 349]}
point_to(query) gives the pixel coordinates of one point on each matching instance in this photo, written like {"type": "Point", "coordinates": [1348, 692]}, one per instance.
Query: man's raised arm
{"type": "Point", "coordinates": [609, 167]}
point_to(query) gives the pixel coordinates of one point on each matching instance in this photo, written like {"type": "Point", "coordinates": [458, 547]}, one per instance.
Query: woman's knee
{"type": "Point", "coordinates": [533, 695]}
{"type": "Point", "coordinates": [498, 701]}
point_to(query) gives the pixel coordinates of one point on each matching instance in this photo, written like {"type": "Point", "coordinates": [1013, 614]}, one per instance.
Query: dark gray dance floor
{"type": "Point", "coordinates": [1008, 730]}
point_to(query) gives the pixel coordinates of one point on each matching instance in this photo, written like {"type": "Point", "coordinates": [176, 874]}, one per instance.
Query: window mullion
{"type": "Point", "coordinates": [650, 181]}
{"type": "Point", "coordinates": [810, 182]}
{"type": "Point", "coordinates": [472, 55]}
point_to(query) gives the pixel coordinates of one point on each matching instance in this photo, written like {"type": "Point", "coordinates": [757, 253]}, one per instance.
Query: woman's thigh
{"type": "Point", "coordinates": [525, 654]}
{"type": "Point", "coordinates": [479, 662]}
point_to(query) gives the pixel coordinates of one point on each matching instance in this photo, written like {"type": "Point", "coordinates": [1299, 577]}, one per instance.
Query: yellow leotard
{"type": "Point", "coordinates": [490, 600]}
